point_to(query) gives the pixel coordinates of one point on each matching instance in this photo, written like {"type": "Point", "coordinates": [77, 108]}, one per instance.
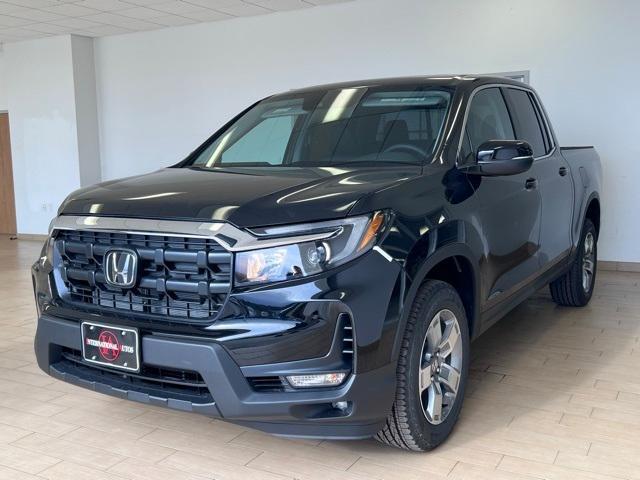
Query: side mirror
{"type": "Point", "coordinates": [502, 157]}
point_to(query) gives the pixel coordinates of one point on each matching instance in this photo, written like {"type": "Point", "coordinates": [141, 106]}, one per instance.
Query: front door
{"type": "Point", "coordinates": [509, 215]}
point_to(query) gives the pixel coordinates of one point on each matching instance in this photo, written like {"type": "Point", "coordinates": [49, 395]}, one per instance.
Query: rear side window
{"type": "Point", "coordinates": [488, 119]}
{"type": "Point", "coordinates": [526, 120]}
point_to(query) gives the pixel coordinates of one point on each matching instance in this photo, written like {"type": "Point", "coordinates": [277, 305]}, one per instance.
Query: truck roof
{"type": "Point", "coordinates": [452, 81]}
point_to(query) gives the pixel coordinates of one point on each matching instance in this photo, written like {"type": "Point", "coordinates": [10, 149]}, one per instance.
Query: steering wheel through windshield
{"type": "Point", "coordinates": [408, 148]}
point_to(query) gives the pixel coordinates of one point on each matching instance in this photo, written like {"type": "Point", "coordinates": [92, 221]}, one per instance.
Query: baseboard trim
{"type": "Point", "coordinates": [619, 266]}
{"type": "Point", "coordinates": [33, 237]}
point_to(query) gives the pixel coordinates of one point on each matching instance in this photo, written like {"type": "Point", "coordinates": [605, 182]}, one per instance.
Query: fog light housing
{"type": "Point", "coordinates": [342, 406]}
{"type": "Point", "coordinates": [317, 380]}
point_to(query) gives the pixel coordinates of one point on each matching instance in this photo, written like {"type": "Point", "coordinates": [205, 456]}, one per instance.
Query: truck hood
{"type": "Point", "coordinates": [247, 197]}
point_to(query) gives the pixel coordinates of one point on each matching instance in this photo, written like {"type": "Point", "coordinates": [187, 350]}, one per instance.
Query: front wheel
{"type": "Point", "coordinates": [574, 288]}
{"type": "Point", "coordinates": [432, 370]}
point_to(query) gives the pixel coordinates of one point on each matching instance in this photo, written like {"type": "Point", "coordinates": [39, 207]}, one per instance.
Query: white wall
{"type": "Point", "coordinates": [39, 79]}
{"type": "Point", "coordinates": [3, 85]}
{"type": "Point", "coordinates": [50, 88]}
{"type": "Point", "coordinates": [161, 93]}
{"type": "Point", "coordinates": [84, 81]}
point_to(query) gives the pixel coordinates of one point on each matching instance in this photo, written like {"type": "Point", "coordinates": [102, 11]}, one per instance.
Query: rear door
{"type": "Point", "coordinates": [509, 214]}
{"type": "Point", "coordinates": [551, 171]}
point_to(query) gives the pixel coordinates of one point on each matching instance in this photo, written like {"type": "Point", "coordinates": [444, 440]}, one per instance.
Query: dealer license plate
{"type": "Point", "coordinates": [111, 346]}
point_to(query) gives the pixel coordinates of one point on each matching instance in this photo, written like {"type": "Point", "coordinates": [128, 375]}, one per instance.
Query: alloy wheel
{"type": "Point", "coordinates": [440, 366]}
{"type": "Point", "coordinates": [588, 261]}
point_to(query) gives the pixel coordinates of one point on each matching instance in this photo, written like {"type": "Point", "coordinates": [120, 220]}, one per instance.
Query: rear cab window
{"type": "Point", "coordinates": [527, 119]}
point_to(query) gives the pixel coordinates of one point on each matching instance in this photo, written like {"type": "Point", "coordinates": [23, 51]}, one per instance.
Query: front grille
{"type": "Point", "coordinates": [178, 277]}
{"type": "Point", "coordinates": [155, 381]}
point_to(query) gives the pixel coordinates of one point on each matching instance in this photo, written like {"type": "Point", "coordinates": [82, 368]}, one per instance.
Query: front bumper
{"type": "Point", "coordinates": [279, 324]}
{"type": "Point", "coordinates": [298, 413]}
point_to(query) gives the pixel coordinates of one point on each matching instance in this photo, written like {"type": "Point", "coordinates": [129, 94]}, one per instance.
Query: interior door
{"type": "Point", "coordinates": [7, 198]}
{"type": "Point", "coordinates": [509, 214]}
{"type": "Point", "coordinates": [552, 172]}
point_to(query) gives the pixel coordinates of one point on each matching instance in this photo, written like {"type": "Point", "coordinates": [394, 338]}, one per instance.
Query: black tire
{"type": "Point", "coordinates": [407, 426]}
{"type": "Point", "coordinates": [568, 290]}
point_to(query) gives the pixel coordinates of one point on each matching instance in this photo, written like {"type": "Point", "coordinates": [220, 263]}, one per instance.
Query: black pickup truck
{"type": "Point", "coordinates": [319, 266]}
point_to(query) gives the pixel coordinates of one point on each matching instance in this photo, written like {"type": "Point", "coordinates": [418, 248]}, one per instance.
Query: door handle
{"type": "Point", "coordinates": [531, 184]}
{"type": "Point", "coordinates": [562, 171]}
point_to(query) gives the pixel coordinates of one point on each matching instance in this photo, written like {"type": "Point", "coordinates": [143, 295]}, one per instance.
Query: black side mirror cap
{"type": "Point", "coordinates": [502, 157]}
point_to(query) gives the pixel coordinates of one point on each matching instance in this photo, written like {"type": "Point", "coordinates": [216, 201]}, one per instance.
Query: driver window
{"type": "Point", "coordinates": [488, 119]}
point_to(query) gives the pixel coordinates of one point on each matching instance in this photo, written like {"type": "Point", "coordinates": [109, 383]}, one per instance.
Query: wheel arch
{"type": "Point", "coordinates": [455, 265]}
{"type": "Point", "coordinates": [593, 212]}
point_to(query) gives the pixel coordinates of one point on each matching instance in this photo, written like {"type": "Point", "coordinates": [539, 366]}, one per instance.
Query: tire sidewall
{"type": "Point", "coordinates": [428, 435]}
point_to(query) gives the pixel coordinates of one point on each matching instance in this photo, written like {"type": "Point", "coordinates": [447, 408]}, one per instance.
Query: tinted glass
{"type": "Point", "coordinates": [488, 119]}
{"type": "Point", "coordinates": [527, 125]}
{"type": "Point", "coordinates": [269, 137]}
{"type": "Point", "coordinates": [322, 128]}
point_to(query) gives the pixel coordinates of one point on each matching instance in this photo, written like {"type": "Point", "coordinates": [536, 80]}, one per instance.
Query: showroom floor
{"type": "Point", "coordinates": [555, 394]}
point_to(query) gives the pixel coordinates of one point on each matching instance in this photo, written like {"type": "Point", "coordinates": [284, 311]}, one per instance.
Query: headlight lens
{"type": "Point", "coordinates": [351, 238]}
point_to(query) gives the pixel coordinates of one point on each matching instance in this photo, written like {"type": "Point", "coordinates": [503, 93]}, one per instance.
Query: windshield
{"type": "Point", "coordinates": [330, 127]}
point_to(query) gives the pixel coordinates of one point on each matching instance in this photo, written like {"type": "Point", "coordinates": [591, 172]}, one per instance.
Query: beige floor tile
{"type": "Point", "coordinates": [11, 474]}
{"type": "Point", "coordinates": [473, 456]}
{"type": "Point", "coordinates": [340, 458]}
{"type": "Point", "coordinates": [300, 468]}
{"type": "Point", "coordinates": [370, 468]}
{"type": "Point", "coordinates": [429, 462]}
{"type": "Point", "coordinates": [197, 424]}
{"type": "Point", "coordinates": [547, 472]}
{"type": "Point", "coordinates": [465, 471]}
{"type": "Point", "coordinates": [202, 444]}
{"type": "Point", "coordinates": [73, 452]}
{"type": "Point", "coordinates": [10, 434]}
{"type": "Point", "coordinates": [597, 465]}
{"type": "Point", "coordinates": [76, 417]}
{"type": "Point", "coordinates": [203, 465]}
{"type": "Point", "coordinates": [139, 470]}
{"type": "Point", "coordinates": [616, 453]}
{"type": "Point", "coordinates": [123, 444]}
{"type": "Point", "coordinates": [495, 444]}
{"type": "Point", "coordinates": [25, 460]}
{"type": "Point", "coordinates": [35, 407]}
{"type": "Point", "coordinates": [70, 471]}
{"type": "Point", "coordinates": [35, 423]}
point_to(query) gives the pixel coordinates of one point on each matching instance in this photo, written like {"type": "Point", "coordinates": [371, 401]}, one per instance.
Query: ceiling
{"type": "Point", "coordinates": [25, 19]}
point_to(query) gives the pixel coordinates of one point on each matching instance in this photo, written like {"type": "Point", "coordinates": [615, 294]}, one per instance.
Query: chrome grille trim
{"type": "Point", "coordinates": [230, 237]}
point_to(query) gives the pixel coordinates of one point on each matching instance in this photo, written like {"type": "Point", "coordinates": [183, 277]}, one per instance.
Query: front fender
{"type": "Point", "coordinates": [419, 265]}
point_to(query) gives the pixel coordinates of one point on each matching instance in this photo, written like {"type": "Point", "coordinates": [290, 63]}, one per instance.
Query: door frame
{"type": "Point", "coordinates": [11, 226]}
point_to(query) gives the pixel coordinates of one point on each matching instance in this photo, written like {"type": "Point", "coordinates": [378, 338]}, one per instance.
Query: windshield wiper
{"type": "Point", "coordinates": [373, 163]}
{"type": "Point", "coordinates": [233, 165]}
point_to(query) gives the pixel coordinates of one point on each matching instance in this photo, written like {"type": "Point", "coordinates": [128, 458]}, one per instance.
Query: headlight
{"type": "Point", "coordinates": [348, 239]}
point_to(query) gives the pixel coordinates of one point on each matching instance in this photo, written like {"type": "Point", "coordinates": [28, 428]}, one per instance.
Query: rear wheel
{"type": "Point", "coordinates": [432, 370]}
{"type": "Point", "coordinates": [575, 288]}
